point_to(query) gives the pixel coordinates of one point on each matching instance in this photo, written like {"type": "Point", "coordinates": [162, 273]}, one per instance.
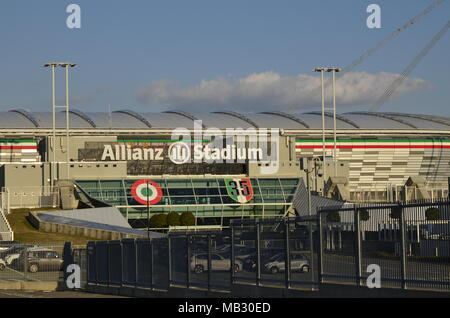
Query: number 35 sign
{"type": "Point", "coordinates": [239, 190]}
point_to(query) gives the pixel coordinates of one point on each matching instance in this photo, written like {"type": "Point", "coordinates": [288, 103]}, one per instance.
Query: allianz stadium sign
{"type": "Point", "coordinates": [210, 145]}
{"type": "Point", "coordinates": [183, 152]}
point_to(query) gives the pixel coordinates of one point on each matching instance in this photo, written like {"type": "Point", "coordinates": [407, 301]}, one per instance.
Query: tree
{"type": "Point", "coordinates": [187, 219]}
{"type": "Point", "coordinates": [333, 216]}
{"type": "Point", "coordinates": [173, 219]}
{"type": "Point", "coordinates": [432, 214]}
{"type": "Point", "coordinates": [158, 221]}
{"type": "Point", "coordinates": [364, 215]}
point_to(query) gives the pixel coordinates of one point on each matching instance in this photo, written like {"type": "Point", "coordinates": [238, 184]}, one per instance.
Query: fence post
{"type": "Point", "coordinates": [287, 263]}
{"type": "Point", "coordinates": [311, 249]}
{"type": "Point", "coordinates": [169, 260]}
{"type": "Point", "coordinates": [96, 263]}
{"type": "Point", "coordinates": [320, 256]}
{"type": "Point", "coordinates": [121, 263]}
{"type": "Point", "coordinates": [188, 261]}
{"type": "Point", "coordinates": [258, 254]}
{"type": "Point", "coordinates": [151, 264]}
{"type": "Point", "coordinates": [232, 257]}
{"type": "Point", "coordinates": [402, 247]}
{"type": "Point", "coordinates": [136, 260]}
{"type": "Point", "coordinates": [108, 262]}
{"type": "Point", "coordinates": [208, 238]}
{"type": "Point", "coordinates": [25, 263]}
{"type": "Point", "coordinates": [357, 247]}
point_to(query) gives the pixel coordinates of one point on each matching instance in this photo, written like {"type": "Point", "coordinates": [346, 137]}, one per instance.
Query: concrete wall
{"type": "Point", "coordinates": [76, 142]}
{"type": "Point", "coordinates": [34, 219]}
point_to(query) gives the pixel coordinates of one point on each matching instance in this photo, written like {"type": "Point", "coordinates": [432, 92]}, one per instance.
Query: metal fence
{"type": "Point", "coordinates": [79, 257]}
{"type": "Point", "coordinates": [410, 242]}
{"type": "Point", "coordinates": [395, 193]}
{"type": "Point", "coordinates": [31, 262]}
{"type": "Point", "coordinates": [276, 253]}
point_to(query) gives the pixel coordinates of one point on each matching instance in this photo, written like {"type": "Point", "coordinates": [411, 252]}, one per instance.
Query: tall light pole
{"type": "Point", "coordinates": [53, 65]}
{"type": "Point", "coordinates": [333, 70]}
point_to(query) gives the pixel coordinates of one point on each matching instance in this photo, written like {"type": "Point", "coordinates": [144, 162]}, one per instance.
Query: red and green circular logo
{"type": "Point", "coordinates": [146, 192]}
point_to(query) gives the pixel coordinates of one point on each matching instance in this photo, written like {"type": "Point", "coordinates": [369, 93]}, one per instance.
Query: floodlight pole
{"type": "Point", "coordinates": [53, 173]}
{"type": "Point", "coordinates": [321, 70]}
{"type": "Point", "coordinates": [53, 65]}
{"type": "Point", "coordinates": [333, 70]}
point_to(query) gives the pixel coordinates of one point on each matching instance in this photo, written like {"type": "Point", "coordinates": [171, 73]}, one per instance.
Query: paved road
{"type": "Point", "coordinates": [12, 274]}
{"type": "Point", "coordinates": [55, 294]}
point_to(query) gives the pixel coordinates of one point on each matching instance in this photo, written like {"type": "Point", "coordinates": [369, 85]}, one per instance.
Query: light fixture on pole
{"type": "Point", "coordinates": [65, 65]}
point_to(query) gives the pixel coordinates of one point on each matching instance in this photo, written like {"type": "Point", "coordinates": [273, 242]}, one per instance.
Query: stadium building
{"type": "Point", "coordinates": [123, 158]}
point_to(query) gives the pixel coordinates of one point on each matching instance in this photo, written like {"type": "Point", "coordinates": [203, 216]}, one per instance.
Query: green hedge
{"type": "Point", "coordinates": [396, 212]}
{"type": "Point", "coordinates": [432, 214]}
{"type": "Point", "coordinates": [158, 221]}
{"type": "Point", "coordinates": [333, 216]}
{"type": "Point", "coordinates": [187, 219]}
{"type": "Point", "coordinates": [173, 219]}
{"type": "Point", "coordinates": [364, 215]}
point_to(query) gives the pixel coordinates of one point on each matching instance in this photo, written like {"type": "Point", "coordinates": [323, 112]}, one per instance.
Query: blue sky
{"type": "Point", "coordinates": [149, 55]}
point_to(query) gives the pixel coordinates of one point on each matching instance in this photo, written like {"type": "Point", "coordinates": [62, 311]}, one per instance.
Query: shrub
{"type": "Point", "coordinates": [187, 219]}
{"type": "Point", "coordinates": [173, 219]}
{"type": "Point", "coordinates": [432, 214]}
{"type": "Point", "coordinates": [158, 221]}
{"type": "Point", "coordinates": [364, 215]}
{"type": "Point", "coordinates": [333, 216]}
{"type": "Point", "coordinates": [396, 212]}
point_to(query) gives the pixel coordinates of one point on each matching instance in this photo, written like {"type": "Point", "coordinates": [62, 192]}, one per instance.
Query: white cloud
{"type": "Point", "coordinates": [270, 90]}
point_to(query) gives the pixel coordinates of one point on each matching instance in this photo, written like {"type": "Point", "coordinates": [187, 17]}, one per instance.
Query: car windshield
{"type": "Point", "coordinates": [276, 257]}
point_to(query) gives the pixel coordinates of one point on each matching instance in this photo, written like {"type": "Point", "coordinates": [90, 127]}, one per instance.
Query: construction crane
{"type": "Point", "coordinates": [383, 42]}
{"type": "Point", "coordinates": [390, 37]}
{"type": "Point", "coordinates": [400, 79]}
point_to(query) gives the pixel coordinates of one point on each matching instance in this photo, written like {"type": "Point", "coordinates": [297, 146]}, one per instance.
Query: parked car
{"type": "Point", "coordinates": [299, 262]}
{"type": "Point", "coordinates": [14, 249]}
{"type": "Point", "coordinates": [199, 263]}
{"type": "Point", "coordinates": [13, 253]}
{"type": "Point", "coordinates": [240, 253]}
{"type": "Point", "coordinates": [40, 259]}
{"type": "Point", "coordinates": [265, 255]}
{"type": "Point", "coordinates": [2, 265]}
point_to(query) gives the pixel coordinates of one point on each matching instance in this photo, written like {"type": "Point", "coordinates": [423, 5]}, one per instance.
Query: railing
{"type": "Point", "coordinates": [402, 245]}
{"type": "Point", "coordinates": [395, 193]}
{"type": "Point", "coordinates": [6, 233]}
{"type": "Point", "coordinates": [28, 197]}
{"type": "Point", "coordinates": [250, 253]}
{"type": "Point", "coordinates": [408, 242]}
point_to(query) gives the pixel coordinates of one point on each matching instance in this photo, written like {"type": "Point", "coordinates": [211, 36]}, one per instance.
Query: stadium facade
{"type": "Point", "coordinates": [107, 155]}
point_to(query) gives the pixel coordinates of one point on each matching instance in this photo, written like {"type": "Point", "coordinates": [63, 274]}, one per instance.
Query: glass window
{"type": "Point", "coordinates": [180, 191]}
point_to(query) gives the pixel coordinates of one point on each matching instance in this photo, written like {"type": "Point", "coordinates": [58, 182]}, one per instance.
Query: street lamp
{"type": "Point", "coordinates": [333, 70]}
{"type": "Point", "coordinates": [65, 65]}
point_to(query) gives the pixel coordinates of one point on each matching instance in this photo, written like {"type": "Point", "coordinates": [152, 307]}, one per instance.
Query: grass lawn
{"type": "Point", "coordinates": [24, 232]}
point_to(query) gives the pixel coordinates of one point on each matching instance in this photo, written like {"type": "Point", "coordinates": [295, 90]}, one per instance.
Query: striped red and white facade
{"type": "Point", "coordinates": [19, 150]}
{"type": "Point", "coordinates": [377, 163]}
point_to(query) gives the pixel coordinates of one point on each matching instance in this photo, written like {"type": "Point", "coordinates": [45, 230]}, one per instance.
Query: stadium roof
{"type": "Point", "coordinates": [128, 119]}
